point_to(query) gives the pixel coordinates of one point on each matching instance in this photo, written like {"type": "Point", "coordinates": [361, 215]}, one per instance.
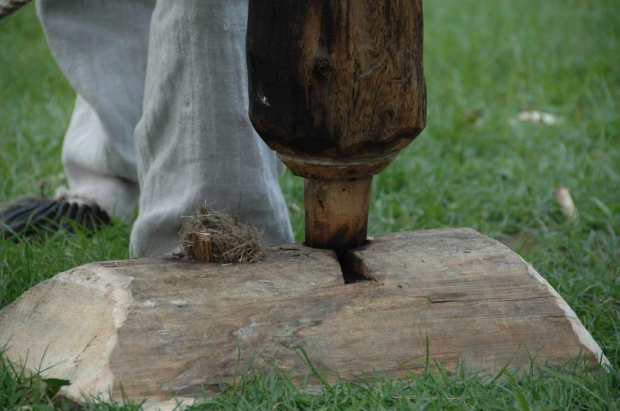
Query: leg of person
{"type": "Point", "coordinates": [101, 47]}
{"type": "Point", "coordinates": [195, 143]}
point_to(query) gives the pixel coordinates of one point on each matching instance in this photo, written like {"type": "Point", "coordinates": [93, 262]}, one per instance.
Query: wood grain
{"type": "Point", "coordinates": [337, 90]}
{"type": "Point", "coordinates": [162, 326]}
{"type": "Point", "coordinates": [333, 78]}
{"type": "Point", "coordinates": [336, 213]}
{"type": "Point", "coordinates": [201, 246]}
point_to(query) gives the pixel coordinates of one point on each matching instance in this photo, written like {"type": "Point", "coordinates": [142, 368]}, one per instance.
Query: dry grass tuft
{"type": "Point", "coordinates": [231, 240]}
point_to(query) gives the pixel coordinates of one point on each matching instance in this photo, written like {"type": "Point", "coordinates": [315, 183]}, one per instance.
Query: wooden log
{"type": "Point", "coordinates": [164, 326]}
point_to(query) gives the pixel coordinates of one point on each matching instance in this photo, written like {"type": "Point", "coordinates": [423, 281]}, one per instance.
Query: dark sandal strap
{"type": "Point", "coordinates": [35, 215]}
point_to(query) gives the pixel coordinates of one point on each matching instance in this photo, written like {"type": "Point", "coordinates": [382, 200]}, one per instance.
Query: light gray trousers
{"type": "Point", "coordinates": [161, 117]}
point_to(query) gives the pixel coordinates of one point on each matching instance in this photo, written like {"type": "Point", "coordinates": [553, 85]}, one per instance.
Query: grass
{"type": "Point", "coordinates": [485, 61]}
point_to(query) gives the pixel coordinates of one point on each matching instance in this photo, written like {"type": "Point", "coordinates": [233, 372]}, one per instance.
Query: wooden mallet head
{"type": "Point", "coordinates": [337, 90]}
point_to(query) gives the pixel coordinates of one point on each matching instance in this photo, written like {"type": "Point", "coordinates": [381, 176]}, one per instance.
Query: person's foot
{"type": "Point", "coordinates": [35, 215]}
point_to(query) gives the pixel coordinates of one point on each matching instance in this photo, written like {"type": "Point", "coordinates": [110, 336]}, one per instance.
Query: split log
{"type": "Point", "coordinates": [162, 326]}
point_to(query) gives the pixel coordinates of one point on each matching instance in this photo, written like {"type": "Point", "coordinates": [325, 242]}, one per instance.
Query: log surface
{"type": "Point", "coordinates": [162, 326]}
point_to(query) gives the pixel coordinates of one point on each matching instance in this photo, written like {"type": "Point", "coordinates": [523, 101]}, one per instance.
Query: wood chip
{"type": "Point", "coordinates": [567, 205]}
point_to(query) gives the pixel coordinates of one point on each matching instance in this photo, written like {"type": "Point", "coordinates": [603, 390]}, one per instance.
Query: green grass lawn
{"type": "Point", "coordinates": [486, 61]}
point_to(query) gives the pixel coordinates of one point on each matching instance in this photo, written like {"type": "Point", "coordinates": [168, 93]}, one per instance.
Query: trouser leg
{"type": "Point", "coordinates": [101, 47]}
{"type": "Point", "coordinates": [195, 143]}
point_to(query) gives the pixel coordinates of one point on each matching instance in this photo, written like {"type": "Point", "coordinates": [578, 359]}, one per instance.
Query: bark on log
{"type": "Point", "coordinates": [162, 326]}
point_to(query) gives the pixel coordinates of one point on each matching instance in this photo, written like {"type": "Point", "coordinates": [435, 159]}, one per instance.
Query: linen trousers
{"type": "Point", "coordinates": [161, 115]}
